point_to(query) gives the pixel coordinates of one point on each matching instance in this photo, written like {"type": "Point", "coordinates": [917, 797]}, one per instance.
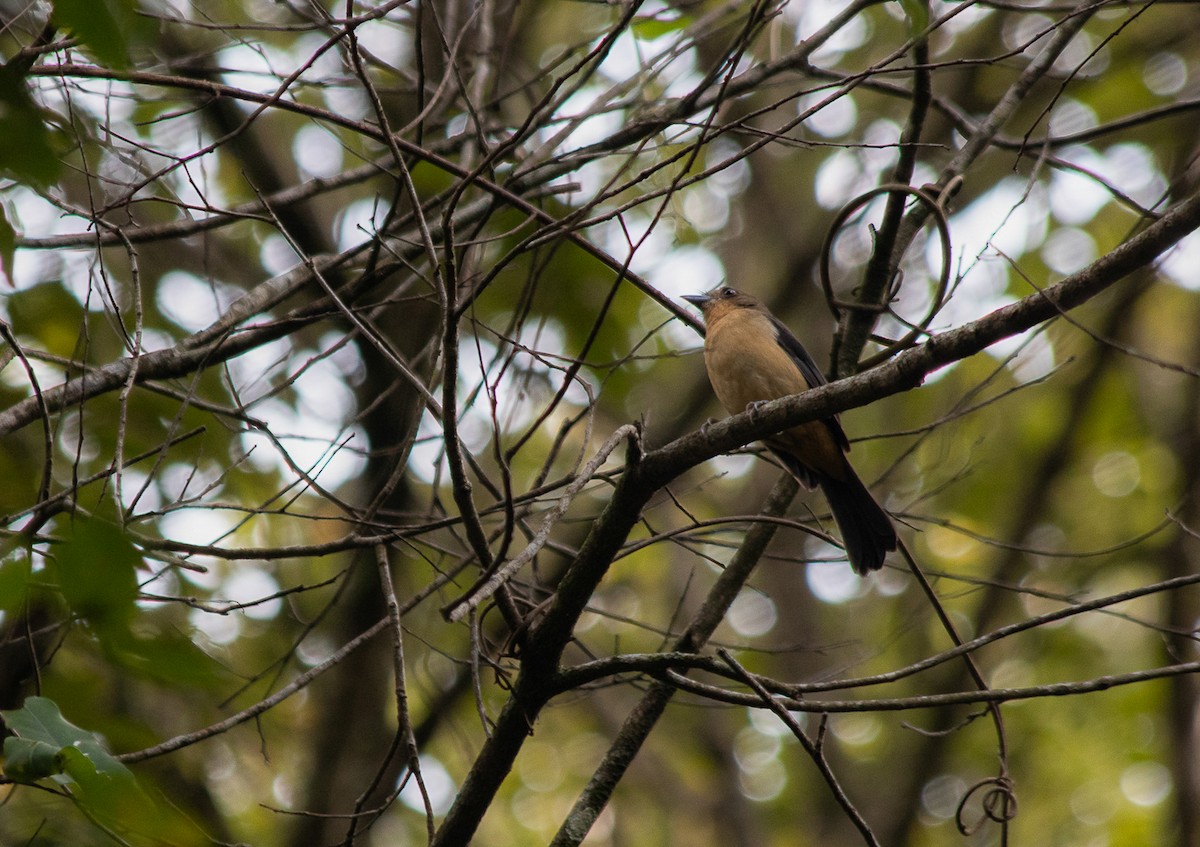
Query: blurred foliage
{"type": "Point", "coordinates": [26, 151]}
{"type": "Point", "coordinates": [105, 28]}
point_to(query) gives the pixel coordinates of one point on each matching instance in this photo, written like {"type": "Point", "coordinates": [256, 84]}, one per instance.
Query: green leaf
{"type": "Point", "coordinates": [48, 312]}
{"type": "Point", "coordinates": [164, 655]}
{"type": "Point", "coordinates": [28, 761]}
{"type": "Point", "coordinates": [105, 792]}
{"type": "Point", "coordinates": [14, 580]}
{"type": "Point", "coordinates": [650, 28]}
{"type": "Point", "coordinates": [103, 26]}
{"type": "Point", "coordinates": [97, 573]}
{"type": "Point", "coordinates": [26, 154]}
{"type": "Point", "coordinates": [917, 12]}
{"type": "Point", "coordinates": [42, 736]}
{"type": "Point", "coordinates": [8, 247]}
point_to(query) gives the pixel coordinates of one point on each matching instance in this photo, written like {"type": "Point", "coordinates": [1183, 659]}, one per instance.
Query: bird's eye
{"type": "Point", "coordinates": [728, 292]}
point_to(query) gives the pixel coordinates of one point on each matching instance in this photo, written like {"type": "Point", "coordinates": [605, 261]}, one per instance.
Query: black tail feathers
{"type": "Point", "coordinates": [867, 531]}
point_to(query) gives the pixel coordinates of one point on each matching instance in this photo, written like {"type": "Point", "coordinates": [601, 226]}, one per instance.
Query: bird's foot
{"type": "Point", "coordinates": [754, 407]}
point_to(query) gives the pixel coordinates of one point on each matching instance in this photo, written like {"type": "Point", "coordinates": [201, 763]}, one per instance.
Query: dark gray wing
{"type": "Point", "coordinates": [809, 370]}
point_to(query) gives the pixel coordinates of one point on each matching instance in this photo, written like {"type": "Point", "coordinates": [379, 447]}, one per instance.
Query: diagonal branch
{"type": "Point", "coordinates": [644, 717]}
{"type": "Point", "coordinates": [909, 369]}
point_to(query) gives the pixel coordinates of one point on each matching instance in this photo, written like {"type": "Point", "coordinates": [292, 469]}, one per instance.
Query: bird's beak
{"type": "Point", "coordinates": [697, 300]}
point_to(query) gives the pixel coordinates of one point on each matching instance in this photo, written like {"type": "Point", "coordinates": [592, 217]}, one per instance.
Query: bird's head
{"type": "Point", "coordinates": [722, 300]}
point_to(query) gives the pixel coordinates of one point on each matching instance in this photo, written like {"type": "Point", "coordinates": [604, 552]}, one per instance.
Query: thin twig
{"type": "Point", "coordinates": [815, 751]}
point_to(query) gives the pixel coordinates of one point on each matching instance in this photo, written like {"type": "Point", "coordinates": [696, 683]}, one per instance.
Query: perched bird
{"type": "Point", "coordinates": [752, 358]}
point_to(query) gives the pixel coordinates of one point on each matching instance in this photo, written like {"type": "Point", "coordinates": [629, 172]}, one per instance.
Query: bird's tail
{"type": "Point", "coordinates": [867, 531]}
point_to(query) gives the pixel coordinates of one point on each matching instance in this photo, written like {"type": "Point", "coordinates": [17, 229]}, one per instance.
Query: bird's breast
{"type": "Point", "coordinates": [746, 364]}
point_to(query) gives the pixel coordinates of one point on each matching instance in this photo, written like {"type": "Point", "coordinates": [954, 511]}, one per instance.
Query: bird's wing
{"type": "Point", "coordinates": [809, 370]}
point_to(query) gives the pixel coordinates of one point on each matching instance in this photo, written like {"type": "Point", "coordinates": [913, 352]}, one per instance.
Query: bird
{"type": "Point", "coordinates": [752, 358]}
